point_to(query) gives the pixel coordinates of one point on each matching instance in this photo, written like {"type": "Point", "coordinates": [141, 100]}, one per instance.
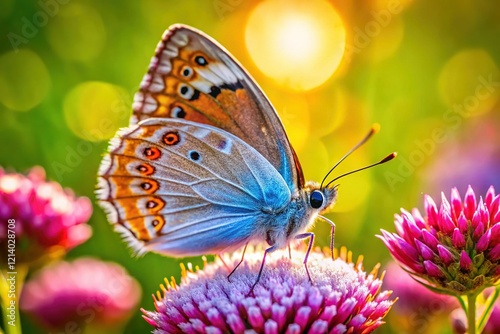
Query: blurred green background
{"type": "Point", "coordinates": [426, 71]}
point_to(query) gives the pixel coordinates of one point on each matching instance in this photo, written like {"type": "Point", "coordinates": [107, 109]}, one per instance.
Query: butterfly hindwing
{"type": "Point", "coordinates": [167, 184]}
{"type": "Point", "coordinates": [192, 77]}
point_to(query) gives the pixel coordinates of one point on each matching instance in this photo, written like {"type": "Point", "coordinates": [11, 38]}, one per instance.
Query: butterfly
{"type": "Point", "coordinates": [206, 165]}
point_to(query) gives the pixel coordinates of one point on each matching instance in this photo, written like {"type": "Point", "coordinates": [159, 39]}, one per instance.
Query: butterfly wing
{"type": "Point", "coordinates": [183, 188]}
{"type": "Point", "coordinates": [194, 78]}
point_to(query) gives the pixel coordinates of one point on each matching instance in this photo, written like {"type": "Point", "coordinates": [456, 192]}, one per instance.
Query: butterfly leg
{"type": "Point", "coordinates": [309, 235]}
{"type": "Point", "coordinates": [289, 251]}
{"type": "Point", "coordinates": [268, 250]}
{"type": "Point", "coordinates": [223, 262]}
{"type": "Point", "coordinates": [332, 236]}
{"type": "Point", "coordinates": [242, 257]}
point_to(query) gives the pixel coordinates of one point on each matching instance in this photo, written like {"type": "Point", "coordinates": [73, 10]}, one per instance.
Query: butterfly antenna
{"type": "Point", "coordinates": [383, 161]}
{"type": "Point", "coordinates": [375, 128]}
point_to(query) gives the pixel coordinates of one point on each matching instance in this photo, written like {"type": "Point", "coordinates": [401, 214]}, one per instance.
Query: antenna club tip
{"type": "Point", "coordinates": [389, 157]}
{"type": "Point", "coordinates": [375, 128]}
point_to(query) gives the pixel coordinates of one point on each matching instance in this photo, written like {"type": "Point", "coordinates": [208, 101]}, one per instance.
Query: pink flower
{"type": "Point", "coordinates": [85, 293]}
{"type": "Point", "coordinates": [342, 298]}
{"type": "Point", "coordinates": [40, 214]}
{"type": "Point", "coordinates": [456, 247]}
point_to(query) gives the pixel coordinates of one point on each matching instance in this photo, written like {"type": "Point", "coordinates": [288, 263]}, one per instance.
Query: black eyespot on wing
{"type": "Point", "coordinates": [177, 112]}
{"type": "Point", "coordinates": [188, 92]}
{"type": "Point", "coordinates": [184, 90]}
{"type": "Point", "coordinates": [194, 155]}
{"type": "Point", "coordinates": [316, 199]}
{"type": "Point", "coordinates": [200, 60]}
{"type": "Point", "coordinates": [187, 71]}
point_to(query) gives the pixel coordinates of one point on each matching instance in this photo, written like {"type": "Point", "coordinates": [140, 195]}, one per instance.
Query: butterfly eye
{"type": "Point", "coordinates": [177, 112]}
{"type": "Point", "coordinates": [316, 199]}
{"type": "Point", "coordinates": [200, 60]}
{"type": "Point", "coordinates": [187, 71]}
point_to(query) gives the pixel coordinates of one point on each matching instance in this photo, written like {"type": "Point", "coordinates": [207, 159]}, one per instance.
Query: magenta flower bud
{"type": "Point", "coordinates": [445, 254]}
{"type": "Point", "coordinates": [430, 240]}
{"type": "Point", "coordinates": [419, 220]}
{"type": "Point", "coordinates": [483, 242]}
{"type": "Point", "coordinates": [444, 240]}
{"type": "Point", "coordinates": [446, 223]}
{"type": "Point", "coordinates": [45, 217]}
{"type": "Point", "coordinates": [456, 203]}
{"type": "Point", "coordinates": [470, 203]}
{"type": "Point", "coordinates": [465, 261]}
{"type": "Point", "coordinates": [410, 228]}
{"type": "Point", "coordinates": [342, 298]}
{"type": "Point", "coordinates": [445, 205]}
{"type": "Point", "coordinates": [493, 208]}
{"type": "Point", "coordinates": [463, 226]}
{"type": "Point", "coordinates": [495, 253]}
{"type": "Point", "coordinates": [425, 250]}
{"type": "Point", "coordinates": [476, 219]}
{"type": "Point", "coordinates": [495, 233]}
{"type": "Point", "coordinates": [458, 239]}
{"type": "Point", "coordinates": [478, 231]}
{"type": "Point", "coordinates": [433, 269]}
{"type": "Point", "coordinates": [431, 210]}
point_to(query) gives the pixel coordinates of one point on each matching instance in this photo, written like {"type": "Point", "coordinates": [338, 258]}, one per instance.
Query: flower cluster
{"type": "Point", "coordinates": [342, 298]}
{"type": "Point", "coordinates": [40, 214]}
{"type": "Point", "coordinates": [455, 247]}
{"type": "Point", "coordinates": [86, 293]}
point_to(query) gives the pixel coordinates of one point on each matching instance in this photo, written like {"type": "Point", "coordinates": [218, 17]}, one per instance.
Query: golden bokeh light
{"type": "Point", "coordinates": [298, 44]}
{"type": "Point", "coordinates": [94, 110]}
{"type": "Point", "coordinates": [468, 82]}
{"type": "Point", "coordinates": [24, 80]}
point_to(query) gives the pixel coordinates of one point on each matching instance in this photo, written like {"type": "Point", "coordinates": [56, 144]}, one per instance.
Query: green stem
{"type": "Point", "coordinates": [11, 284]}
{"type": "Point", "coordinates": [471, 314]}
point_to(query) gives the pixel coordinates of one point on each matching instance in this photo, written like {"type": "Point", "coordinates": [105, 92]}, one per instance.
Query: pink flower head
{"type": "Point", "coordinates": [456, 247]}
{"type": "Point", "coordinates": [86, 293]}
{"type": "Point", "coordinates": [342, 298]}
{"type": "Point", "coordinates": [40, 215]}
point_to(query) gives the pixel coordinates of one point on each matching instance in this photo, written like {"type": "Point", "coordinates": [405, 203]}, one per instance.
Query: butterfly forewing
{"type": "Point", "coordinates": [193, 78]}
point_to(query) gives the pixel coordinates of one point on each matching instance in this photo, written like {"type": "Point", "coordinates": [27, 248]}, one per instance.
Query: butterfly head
{"type": "Point", "coordinates": [319, 198]}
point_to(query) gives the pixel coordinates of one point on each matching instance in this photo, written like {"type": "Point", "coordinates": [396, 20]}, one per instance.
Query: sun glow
{"type": "Point", "coordinates": [298, 44]}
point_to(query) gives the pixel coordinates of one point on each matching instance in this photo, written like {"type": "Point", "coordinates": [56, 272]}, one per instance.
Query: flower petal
{"type": "Point", "coordinates": [465, 261]}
